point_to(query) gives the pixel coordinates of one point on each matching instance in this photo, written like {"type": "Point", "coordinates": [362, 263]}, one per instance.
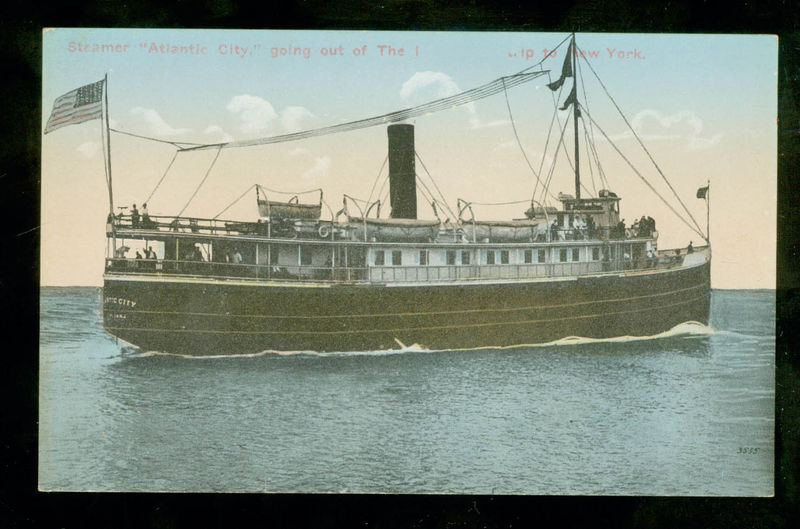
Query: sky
{"type": "Point", "coordinates": [705, 106]}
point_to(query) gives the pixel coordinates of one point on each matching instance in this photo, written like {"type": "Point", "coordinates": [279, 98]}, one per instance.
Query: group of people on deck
{"type": "Point", "coordinates": [644, 227]}
{"type": "Point", "coordinates": [581, 228]}
{"type": "Point", "coordinates": [140, 219]}
{"type": "Point", "coordinates": [149, 253]}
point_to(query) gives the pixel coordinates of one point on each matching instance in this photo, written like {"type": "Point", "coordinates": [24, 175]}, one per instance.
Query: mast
{"type": "Point", "coordinates": [708, 211]}
{"type": "Point", "coordinates": [108, 149]}
{"type": "Point", "coordinates": [575, 114]}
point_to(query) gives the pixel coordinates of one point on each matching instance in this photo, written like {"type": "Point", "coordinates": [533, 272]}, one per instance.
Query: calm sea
{"type": "Point", "coordinates": [688, 413]}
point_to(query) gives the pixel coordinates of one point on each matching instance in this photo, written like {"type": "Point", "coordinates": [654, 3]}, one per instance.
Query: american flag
{"type": "Point", "coordinates": [77, 106]}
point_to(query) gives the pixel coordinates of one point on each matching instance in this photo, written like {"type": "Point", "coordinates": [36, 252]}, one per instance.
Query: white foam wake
{"type": "Point", "coordinates": [689, 328]}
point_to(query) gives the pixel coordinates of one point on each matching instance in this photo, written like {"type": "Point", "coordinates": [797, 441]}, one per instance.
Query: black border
{"type": "Point", "coordinates": [20, 45]}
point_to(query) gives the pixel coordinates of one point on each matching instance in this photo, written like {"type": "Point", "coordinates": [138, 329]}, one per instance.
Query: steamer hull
{"type": "Point", "coordinates": [210, 317]}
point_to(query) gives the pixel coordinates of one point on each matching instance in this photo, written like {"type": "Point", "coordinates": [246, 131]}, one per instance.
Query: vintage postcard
{"type": "Point", "coordinates": [407, 262]}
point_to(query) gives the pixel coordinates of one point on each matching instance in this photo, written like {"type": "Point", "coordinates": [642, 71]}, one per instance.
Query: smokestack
{"type": "Point", "coordinates": [402, 175]}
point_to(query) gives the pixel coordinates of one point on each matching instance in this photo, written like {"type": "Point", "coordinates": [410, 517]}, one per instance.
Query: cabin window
{"type": "Point", "coordinates": [423, 257]}
{"type": "Point", "coordinates": [464, 258]}
{"type": "Point", "coordinates": [379, 258]}
{"type": "Point", "coordinates": [595, 254]}
{"type": "Point", "coordinates": [528, 256]}
{"type": "Point", "coordinates": [562, 255]}
{"type": "Point", "coordinates": [541, 256]}
{"type": "Point", "coordinates": [397, 257]}
{"type": "Point", "coordinates": [273, 255]}
{"type": "Point", "coordinates": [305, 255]}
{"type": "Point", "coordinates": [490, 257]}
{"type": "Point", "coordinates": [504, 256]}
{"type": "Point", "coordinates": [576, 254]}
{"type": "Point", "coordinates": [451, 257]}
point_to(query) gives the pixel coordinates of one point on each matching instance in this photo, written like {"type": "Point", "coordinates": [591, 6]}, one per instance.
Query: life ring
{"type": "Point", "coordinates": [324, 231]}
{"type": "Point", "coordinates": [628, 233]}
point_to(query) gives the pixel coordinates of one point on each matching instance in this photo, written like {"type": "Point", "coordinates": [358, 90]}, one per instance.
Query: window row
{"type": "Point", "coordinates": [490, 257]}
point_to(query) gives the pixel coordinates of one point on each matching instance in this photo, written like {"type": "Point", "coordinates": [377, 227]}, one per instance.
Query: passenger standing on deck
{"type": "Point", "coordinates": [690, 249]}
{"type": "Point", "coordinates": [145, 216]}
{"type": "Point", "coordinates": [237, 257]}
{"type": "Point", "coordinates": [134, 217]}
{"type": "Point", "coordinates": [651, 258]}
{"type": "Point", "coordinates": [621, 229]}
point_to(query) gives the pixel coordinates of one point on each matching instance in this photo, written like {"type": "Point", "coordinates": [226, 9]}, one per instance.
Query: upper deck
{"type": "Point", "coordinates": [330, 252]}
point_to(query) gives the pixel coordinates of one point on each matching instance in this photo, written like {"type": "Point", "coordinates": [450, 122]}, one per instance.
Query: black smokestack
{"type": "Point", "coordinates": [402, 176]}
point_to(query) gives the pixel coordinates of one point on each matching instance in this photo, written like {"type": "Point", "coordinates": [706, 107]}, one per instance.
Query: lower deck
{"type": "Point", "coordinates": [207, 316]}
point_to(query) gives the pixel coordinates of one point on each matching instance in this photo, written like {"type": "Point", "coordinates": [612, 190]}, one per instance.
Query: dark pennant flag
{"type": "Point", "coordinates": [566, 70]}
{"type": "Point", "coordinates": [701, 193]}
{"type": "Point", "coordinates": [571, 99]}
{"type": "Point", "coordinates": [77, 106]}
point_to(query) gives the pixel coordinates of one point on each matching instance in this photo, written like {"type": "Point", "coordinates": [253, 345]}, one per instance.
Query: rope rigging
{"type": "Point", "coordinates": [441, 195]}
{"type": "Point", "coordinates": [590, 143]}
{"type": "Point", "coordinates": [468, 96]}
{"type": "Point", "coordinates": [234, 202]}
{"type": "Point", "coordinates": [698, 230]}
{"type": "Point", "coordinates": [378, 177]}
{"type": "Point", "coordinates": [153, 192]}
{"type": "Point", "coordinates": [208, 172]}
{"type": "Point", "coordinates": [653, 189]}
{"type": "Point", "coordinates": [516, 135]}
{"type": "Point", "coordinates": [553, 166]}
{"type": "Point", "coordinates": [501, 84]}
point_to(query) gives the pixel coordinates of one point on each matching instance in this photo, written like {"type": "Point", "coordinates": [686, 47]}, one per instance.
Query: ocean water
{"type": "Point", "coordinates": [690, 412]}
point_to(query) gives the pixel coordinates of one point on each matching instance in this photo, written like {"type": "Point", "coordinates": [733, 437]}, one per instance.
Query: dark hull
{"type": "Point", "coordinates": [233, 318]}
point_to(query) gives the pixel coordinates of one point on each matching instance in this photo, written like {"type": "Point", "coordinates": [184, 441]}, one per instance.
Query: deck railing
{"type": "Point", "coordinates": [380, 274]}
{"type": "Point", "coordinates": [286, 228]}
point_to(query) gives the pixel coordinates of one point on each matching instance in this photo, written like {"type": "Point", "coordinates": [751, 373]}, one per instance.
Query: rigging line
{"type": "Point", "coordinates": [378, 177]}
{"type": "Point", "coordinates": [699, 229]}
{"type": "Point", "coordinates": [653, 189]}
{"type": "Point", "coordinates": [553, 166]}
{"type": "Point", "coordinates": [500, 203]}
{"type": "Point", "coordinates": [306, 192]}
{"type": "Point", "coordinates": [548, 56]}
{"type": "Point", "coordinates": [561, 143]}
{"type": "Point", "coordinates": [208, 172]}
{"type": "Point", "coordinates": [591, 129]}
{"type": "Point", "coordinates": [441, 195]}
{"type": "Point", "coordinates": [383, 184]}
{"type": "Point", "coordinates": [425, 191]}
{"type": "Point", "coordinates": [174, 143]}
{"type": "Point", "coordinates": [519, 142]}
{"type": "Point", "coordinates": [589, 157]}
{"type": "Point", "coordinates": [234, 202]}
{"type": "Point", "coordinates": [547, 141]}
{"type": "Point", "coordinates": [591, 144]}
{"type": "Point", "coordinates": [556, 99]}
{"type": "Point", "coordinates": [385, 197]}
{"type": "Point", "coordinates": [489, 89]}
{"type": "Point", "coordinates": [153, 192]}
{"type": "Point", "coordinates": [105, 160]}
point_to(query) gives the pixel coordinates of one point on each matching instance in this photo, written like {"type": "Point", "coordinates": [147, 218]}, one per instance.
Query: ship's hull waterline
{"type": "Point", "coordinates": [212, 317]}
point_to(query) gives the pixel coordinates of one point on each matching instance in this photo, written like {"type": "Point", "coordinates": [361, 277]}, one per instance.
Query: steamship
{"type": "Point", "coordinates": [295, 281]}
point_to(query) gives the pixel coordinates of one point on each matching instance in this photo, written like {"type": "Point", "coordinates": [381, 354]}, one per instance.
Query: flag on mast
{"type": "Point", "coordinates": [570, 100]}
{"type": "Point", "coordinates": [701, 192]}
{"type": "Point", "coordinates": [79, 105]}
{"type": "Point", "coordinates": [566, 70]}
